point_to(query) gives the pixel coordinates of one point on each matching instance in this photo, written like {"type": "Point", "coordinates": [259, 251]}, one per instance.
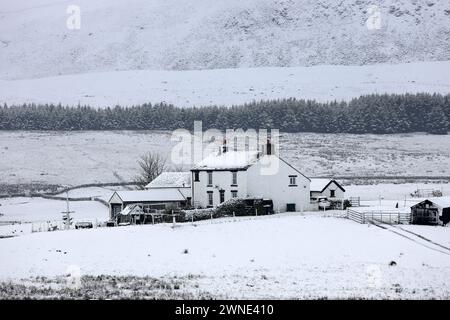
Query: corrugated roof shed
{"type": "Point", "coordinates": [151, 195]}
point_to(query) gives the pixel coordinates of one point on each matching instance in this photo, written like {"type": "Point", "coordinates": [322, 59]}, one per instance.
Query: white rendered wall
{"type": "Point", "coordinates": [221, 180]}
{"type": "Point", "coordinates": [276, 186]}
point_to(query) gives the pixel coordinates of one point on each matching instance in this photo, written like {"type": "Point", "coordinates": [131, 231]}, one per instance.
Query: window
{"type": "Point", "coordinates": [210, 199]}
{"type": "Point", "coordinates": [234, 193]}
{"type": "Point", "coordinates": [210, 179]}
{"type": "Point", "coordinates": [293, 181]}
{"type": "Point", "coordinates": [234, 178]}
{"type": "Point", "coordinates": [196, 176]}
{"type": "Point", "coordinates": [332, 193]}
{"type": "Point", "coordinates": [222, 195]}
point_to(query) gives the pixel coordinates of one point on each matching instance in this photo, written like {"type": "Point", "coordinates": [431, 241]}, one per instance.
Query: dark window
{"type": "Point", "coordinates": [196, 176]}
{"type": "Point", "coordinates": [210, 179]}
{"type": "Point", "coordinates": [292, 180]}
{"type": "Point", "coordinates": [234, 193]}
{"type": "Point", "coordinates": [332, 193]}
{"type": "Point", "coordinates": [210, 198]}
{"type": "Point", "coordinates": [222, 195]}
{"type": "Point", "coordinates": [290, 207]}
{"type": "Point", "coordinates": [234, 178]}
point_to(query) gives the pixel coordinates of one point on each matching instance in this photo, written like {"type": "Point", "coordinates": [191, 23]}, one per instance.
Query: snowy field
{"type": "Point", "coordinates": [39, 209]}
{"type": "Point", "coordinates": [390, 192]}
{"type": "Point", "coordinates": [281, 256]}
{"type": "Point", "coordinates": [228, 86]}
{"type": "Point", "coordinates": [74, 158]}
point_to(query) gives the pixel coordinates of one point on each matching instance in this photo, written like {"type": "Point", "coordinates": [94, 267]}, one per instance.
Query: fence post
{"type": "Point", "coordinates": [234, 216]}
{"type": "Point", "coordinates": [173, 220]}
{"type": "Point", "coordinates": [256, 211]}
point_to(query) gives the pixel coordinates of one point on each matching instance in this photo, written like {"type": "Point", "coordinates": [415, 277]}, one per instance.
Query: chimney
{"type": "Point", "coordinates": [224, 147]}
{"type": "Point", "coordinates": [269, 147]}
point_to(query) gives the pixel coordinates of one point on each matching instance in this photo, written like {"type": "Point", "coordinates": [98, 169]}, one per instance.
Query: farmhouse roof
{"type": "Point", "coordinates": [230, 160]}
{"type": "Point", "coordinates": [319, 184]}
{"type": "Point", "coordinates": [171, 180]}
{"type": "Point", "coordinates": [150, 195]}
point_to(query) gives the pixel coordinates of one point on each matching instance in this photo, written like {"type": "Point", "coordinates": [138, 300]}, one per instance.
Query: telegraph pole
{"type": "Point", "coordinates": [66, 214]}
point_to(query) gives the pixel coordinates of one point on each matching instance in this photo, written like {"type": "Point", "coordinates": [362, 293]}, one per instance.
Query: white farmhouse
{"type": "Point", "coordinates": [249, 174]}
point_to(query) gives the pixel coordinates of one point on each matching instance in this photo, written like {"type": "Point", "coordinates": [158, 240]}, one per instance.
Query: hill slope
{"type": "Point", "coordinates": [206, 34]}
{"type": "Point", "coordinates": [228, 86]}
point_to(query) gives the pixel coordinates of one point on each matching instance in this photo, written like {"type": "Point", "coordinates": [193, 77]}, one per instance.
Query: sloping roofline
{"type": "Point", "coordinates": [332, 180]}
{"type": "Point", "coordinates": [293, 167]}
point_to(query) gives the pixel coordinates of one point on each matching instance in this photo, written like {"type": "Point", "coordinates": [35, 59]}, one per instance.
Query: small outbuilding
{"type": "Point", "coordinates": [431, 211]}
{"type": "Point", "coordinates": [328, 188]}
{"type": "Point", "coordinates": [147, 200]}
{"type": "Point", "coordinates": [180, 181]}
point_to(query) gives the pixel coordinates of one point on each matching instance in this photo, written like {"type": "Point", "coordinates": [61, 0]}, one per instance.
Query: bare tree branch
{"type": "Point", "coordinates": [151, 165]}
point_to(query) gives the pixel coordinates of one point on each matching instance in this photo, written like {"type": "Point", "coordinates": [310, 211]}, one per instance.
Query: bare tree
{"type": "Point", "coordinates": [151, 165]}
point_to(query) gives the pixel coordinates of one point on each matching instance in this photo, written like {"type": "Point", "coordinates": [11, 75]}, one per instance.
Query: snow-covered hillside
{"type": "Point", "coordinates": [211, 34]}
{"type": "Point", "coordinates": [80, 157]}
{"type": "Point", "coordinates": [228, 86]}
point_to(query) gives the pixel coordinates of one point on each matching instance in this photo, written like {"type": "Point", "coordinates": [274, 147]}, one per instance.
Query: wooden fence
{"type": "Point", "coordinates": [388, 217]}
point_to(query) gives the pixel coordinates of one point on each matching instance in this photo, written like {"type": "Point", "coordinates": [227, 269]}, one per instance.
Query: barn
{"type": "Point", "coordinates": [180, 181]}
{"type": "Point", "coordinates": [431, 211]}
{"type": "Point", "coordinates": [148, 201]}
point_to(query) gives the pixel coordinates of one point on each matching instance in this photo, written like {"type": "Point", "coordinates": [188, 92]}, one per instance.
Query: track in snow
{"type": "Point", "coordinates": [414, 237]}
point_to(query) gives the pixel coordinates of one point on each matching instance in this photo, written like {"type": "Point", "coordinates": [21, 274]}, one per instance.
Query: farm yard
{"type": "Point", "coordinates": [110, 156]}
{"type": "Point", "coordinates": [309, 255]}
{"type": "Point", "coordinates": [302, 255]}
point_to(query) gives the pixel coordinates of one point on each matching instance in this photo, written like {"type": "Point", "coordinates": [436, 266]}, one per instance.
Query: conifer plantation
{"type": "Point", "coordinates": [378, 114]}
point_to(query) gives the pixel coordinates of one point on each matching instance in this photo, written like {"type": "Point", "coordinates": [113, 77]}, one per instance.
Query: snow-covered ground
{"type": "Point", "coordinates": [392, 192]}
{"type": "Point", "coordinates": [228, 86]}
{"type": "Point", "coordinates": [281, 256]}
{"type": "Point", "coordinates": [39, 209]}
{"type": "Point", "coordinates": [111, 156]}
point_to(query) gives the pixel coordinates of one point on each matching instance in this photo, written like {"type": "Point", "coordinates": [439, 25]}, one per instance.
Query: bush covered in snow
{"type": "Point", "coordinates": [236, 207]}
{"type": "Point", "coordinates": [241, 207]}
{"type": "Point", "coordinates": [198, 214]}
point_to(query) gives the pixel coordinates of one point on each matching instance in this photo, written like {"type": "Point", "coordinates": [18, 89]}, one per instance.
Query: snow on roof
{"type": "Point", "coordinates": [443, 202]}
{"type": "Point", "coordinates": [171, 180]}
{"type": "Point", "coordinates": [131, 210]}
{"type": "Point", "coordinates": [151, 195]}
{"type": "Point", "coordinates": [318, 184]}
{"type": "Point", "coordinates": [228, 160]}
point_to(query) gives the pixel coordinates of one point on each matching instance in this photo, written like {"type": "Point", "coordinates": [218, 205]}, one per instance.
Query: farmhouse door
{"type": "Point", "coordinates": [290, 207]}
